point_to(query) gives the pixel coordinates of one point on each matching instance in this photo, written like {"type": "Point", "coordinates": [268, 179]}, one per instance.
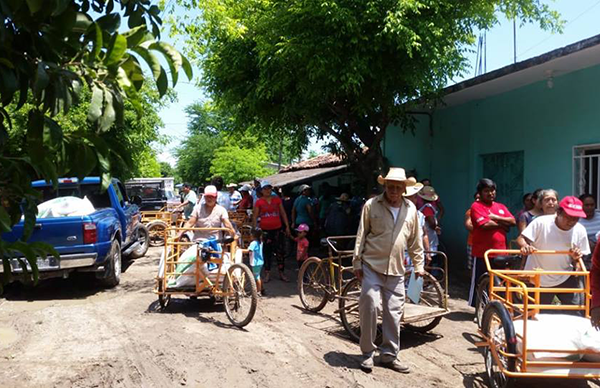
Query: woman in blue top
{"type": "Point", "coordinates": [302, 212]}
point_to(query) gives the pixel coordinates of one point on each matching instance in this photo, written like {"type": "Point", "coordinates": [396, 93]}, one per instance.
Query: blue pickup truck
{"type": "Point", "coordinates": [90, 243]}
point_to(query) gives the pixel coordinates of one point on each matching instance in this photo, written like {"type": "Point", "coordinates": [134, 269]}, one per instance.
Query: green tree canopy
{"type": "Point", "coordinates": [195, 156]}
{"type": "Point", "coordinates": [166, 170]}
{"type": "Point", "coordinates": [345, 69]}
{"type": "Point", "coordinates": [239, 162]}
{"type": "Point", "coordinates": [49, 49]}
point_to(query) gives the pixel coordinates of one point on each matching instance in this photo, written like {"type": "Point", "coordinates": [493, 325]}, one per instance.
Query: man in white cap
{"type": "Point", "coordinates": [234, 196]}
{"type": "Point", "coordinates": [386, 218]}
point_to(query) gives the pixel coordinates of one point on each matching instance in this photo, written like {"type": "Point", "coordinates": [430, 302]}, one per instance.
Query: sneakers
{"type": "Point", "coordinates": [396, 366]}
{"type": "Point", "coordinates": [367, 363]}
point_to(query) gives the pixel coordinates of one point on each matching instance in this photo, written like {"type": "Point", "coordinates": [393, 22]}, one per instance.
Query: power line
{"type": "Point", "coordinates": [568, 23]}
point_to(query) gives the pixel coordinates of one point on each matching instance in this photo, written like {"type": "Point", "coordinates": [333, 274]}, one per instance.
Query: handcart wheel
{"type": "Point", "coordinates": [497, 326]}
{"type": "Point", "coordinates": [482, 297]}
{"type": "Point", "coordinates": [313, 283]}
{"type": "Point", "coordinates": [349, 313]}
{"type": "Point", "coordinates": [156, 230]}
{"type": "Point", "coordinates": [240, 296]}
{"type": "Point", "coordinates": [432, 295]}
{"type": "Point", "coordinates": [163, 299]}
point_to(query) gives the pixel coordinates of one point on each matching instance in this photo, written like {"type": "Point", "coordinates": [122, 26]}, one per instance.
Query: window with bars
{"type": "Point", "coordinates": [586, 170]}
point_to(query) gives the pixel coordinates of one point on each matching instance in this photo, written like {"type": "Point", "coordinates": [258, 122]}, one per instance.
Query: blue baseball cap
{"type": "Point", "coordinates": [264, 184]}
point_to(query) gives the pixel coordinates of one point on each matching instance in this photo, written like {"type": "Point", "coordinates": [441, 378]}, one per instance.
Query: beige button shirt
{"type": "Point", "coordinates": [204, 219]}
{"type": "Point", "coordinates": [381, 242]}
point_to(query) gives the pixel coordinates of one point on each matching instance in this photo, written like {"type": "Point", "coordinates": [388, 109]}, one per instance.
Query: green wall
{"type": "Point", "coordinates": [410, 149]}
{"type": "Point", "coordinates": [545, 123]}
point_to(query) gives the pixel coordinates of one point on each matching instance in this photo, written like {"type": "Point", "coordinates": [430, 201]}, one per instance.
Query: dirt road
{"type": "Point", "coordinates": [68, 333]}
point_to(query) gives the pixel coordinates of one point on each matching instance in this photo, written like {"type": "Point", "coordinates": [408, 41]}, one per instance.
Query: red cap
{"type": "Point", "coordinates": [572, 206]}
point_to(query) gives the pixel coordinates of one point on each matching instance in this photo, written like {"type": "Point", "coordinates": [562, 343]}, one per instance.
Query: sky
{"type": "Point", "coordinates": [581, 22]}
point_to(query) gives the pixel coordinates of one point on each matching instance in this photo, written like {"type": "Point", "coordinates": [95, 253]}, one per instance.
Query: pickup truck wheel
{"type": "Point", "coordinates": [143, 237]}
{"type": "Point", "coordinates": [112, 272]}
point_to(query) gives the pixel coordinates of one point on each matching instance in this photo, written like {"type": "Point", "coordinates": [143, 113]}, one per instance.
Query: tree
{"type": "Point", "coordinates": [48, 51]}
{"type": "Point", "coordinates": [340, 68]}
{"type": "Point", "coordinates": [239, 162]}
{"type": "Point", "coordinates": [195, 156]}
{"type": "Point", "coordinates": [130, 145]}
{"type": "Point", "coordinates": [166, 170]}
{"type": "Point", "coordinates": [208, 117]}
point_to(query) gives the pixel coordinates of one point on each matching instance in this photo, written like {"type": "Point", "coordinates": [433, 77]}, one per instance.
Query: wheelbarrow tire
{"type": "Point", "coordinates": [432, 295]}
{"type": "Point", "coordinates": [240, 296]}
{"type": "Point", "coordinates": [313, 284]}
{"type": "Point", "coordinates": [498, 328]}
{"type": "Point", "coordinates": [349, 313]}
{"type": "Point", "coordinates": [163, 299]}
{"type": "Point", "coordinates": [482, 298]}
{"type": "Point", "coordinates": [156, 230]}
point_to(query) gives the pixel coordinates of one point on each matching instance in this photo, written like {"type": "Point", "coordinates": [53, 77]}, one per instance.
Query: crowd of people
{"type": "Point", "coordinates": [398, 228]}
{"type": "Point", "coordinates": [545, 223]}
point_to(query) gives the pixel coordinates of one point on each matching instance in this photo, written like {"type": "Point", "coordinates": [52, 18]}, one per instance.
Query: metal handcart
{"type": "Point", "coordinates": [200, 268]}
{"type": "Point", "coordinates": [511, 320]}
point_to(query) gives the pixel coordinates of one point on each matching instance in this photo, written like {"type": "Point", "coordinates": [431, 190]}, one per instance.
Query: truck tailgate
{"type": "Point", "coordinates": [59, 232]}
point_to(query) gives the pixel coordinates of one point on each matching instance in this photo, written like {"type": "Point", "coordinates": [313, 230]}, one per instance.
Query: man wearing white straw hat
{"type": "Point", "coordinates": [379, 265]}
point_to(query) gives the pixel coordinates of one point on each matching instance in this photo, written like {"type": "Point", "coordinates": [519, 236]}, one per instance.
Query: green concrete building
{"type": "Point", "coordinates": [533, 124]}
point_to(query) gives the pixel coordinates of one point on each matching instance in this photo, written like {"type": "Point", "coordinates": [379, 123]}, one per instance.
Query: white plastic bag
{"type": "Point", "coordinates": [553, 332]}
{"type": "Point", "coordinates": [65, 207]}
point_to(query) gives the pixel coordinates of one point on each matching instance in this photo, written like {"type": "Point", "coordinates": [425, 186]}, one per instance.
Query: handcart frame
{"type": "Point", "coordinates": [234, 288]}
{"type": "Point", "coordinates": [517, 296]}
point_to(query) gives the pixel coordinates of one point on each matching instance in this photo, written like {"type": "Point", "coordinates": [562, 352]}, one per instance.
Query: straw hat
{"type": "Point", "coordinates": [413, 189]}
{"type": "Point", "coordinates": [232, 185]}
{"type": "Point", "coordinates": [396, 174]}
{"type": "Point", "coordinates": [428, 193]}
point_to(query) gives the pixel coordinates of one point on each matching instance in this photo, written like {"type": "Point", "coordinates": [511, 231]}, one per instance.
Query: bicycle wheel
{"type": "Point", "coordinates": [156, 232]}
{"type": "Point", "coordinates": [240, 296]}
{"type": "Point", "coordinates": [482, 297]}
{"type": "Point", "coordinates": [313, 284]}
{"type": "Point", "coordinates": [498, 328]}
{"type": "Point", "coordinates": [349, 313]}
{"type": "Point", "coordinates": [432, 296]}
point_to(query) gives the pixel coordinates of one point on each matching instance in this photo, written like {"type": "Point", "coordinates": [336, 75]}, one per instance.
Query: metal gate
{"type": "Point", "coordinates": [586, 171]}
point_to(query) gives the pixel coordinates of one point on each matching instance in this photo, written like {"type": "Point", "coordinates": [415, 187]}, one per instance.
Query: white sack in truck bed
{"type": "Point", "coordinates": [65, 207]}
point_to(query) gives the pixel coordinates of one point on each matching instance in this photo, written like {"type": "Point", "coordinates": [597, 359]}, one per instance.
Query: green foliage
{"type": "Point", "coordinates": [345, 69]}
{"type": "Point", "coordinates": [50, 50]}
{"type": "Point", "coordinates": [166, 170]}
{"type": "Point", "coordinates": [195, 156]}
{"type": "Point", "coordinates": [240, 161]}
{"type": "Point", "coordinates": [149, 166]}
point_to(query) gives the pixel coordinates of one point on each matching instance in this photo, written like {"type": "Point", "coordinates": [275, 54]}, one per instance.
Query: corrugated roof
{"type": "Point", "coordinates": [301, 176]}
{"type": "Point", "coordinates": [327, 160]}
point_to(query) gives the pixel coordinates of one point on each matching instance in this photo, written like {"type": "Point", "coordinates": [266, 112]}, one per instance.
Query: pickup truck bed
{"type": "Point", "coordinates": [85, 242]}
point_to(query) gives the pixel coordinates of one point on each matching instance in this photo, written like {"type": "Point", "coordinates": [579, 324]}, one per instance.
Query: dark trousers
{"type": "Point", "coordinates": [272, 247]}
{"type": "Point", "coordinates": [478, 270]}
{"type": "Point", "coordinates": [565, 299]}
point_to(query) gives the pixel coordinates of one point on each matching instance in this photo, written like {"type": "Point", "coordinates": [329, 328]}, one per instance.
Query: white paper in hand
{"type": "Point", "coordinates": [415, 286]}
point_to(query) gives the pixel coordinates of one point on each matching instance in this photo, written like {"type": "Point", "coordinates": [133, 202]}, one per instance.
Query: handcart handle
{"type": "Point", "coordinates": [332, 246]}
{"type": "Point", "coordinates": [518, 252]}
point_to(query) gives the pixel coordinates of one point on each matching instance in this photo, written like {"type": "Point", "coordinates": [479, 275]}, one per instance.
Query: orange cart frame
{"type": "Point", "coordinates": [518, 297]}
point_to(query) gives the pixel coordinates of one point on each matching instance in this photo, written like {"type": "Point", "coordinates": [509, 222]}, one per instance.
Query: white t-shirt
{"type": "Point", "coordinates": [592, 226]}
{"type": "Point", "coordinates": [395, 212]}
{"type": "Point", "coordinates": [545, 235]}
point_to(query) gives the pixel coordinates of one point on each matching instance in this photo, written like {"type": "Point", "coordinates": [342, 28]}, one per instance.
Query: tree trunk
{"type": "Point", "coordinates": [367, 167]}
